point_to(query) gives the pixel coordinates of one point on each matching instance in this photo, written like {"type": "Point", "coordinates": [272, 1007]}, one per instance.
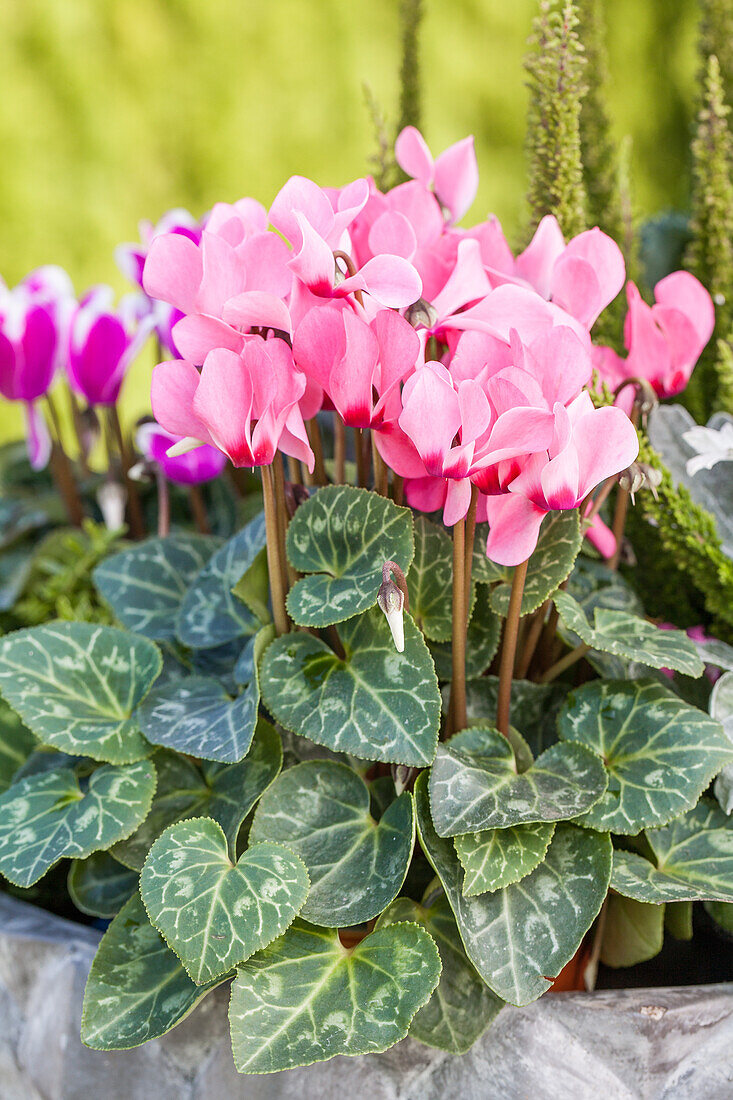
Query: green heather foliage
{"type": "Point", "coordinates": [410, 114]}
{"type": "Point", "coordinates": [557, 84]}
{"type": "Point", "coordinates": [710, 253]}
{"type": "Point", "coordinates": [716, 37]}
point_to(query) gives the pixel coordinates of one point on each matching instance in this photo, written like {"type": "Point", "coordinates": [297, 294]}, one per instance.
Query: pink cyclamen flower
{"type": "Point", "coordinates": [358, 365]}
{"type": "Point", "coordinates": [244, 404]}
{"type": "Point", "coordinates": [453, 175]}
{"type": "Point", "coordinates": [103, 343]}
{"type": "Point", "coordinates": [664, 341]}
{"type": "Point", "coordinates": [201, 464]}
{"type": "Point", "coordinates": [588, 446]}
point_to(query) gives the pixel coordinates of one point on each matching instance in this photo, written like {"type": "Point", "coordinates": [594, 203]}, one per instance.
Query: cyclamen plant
{"type": "Point", "coordinates": [342, 760]}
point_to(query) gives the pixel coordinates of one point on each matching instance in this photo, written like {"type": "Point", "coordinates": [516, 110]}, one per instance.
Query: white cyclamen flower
{"type": "Point", "coordinates": [712, 446]}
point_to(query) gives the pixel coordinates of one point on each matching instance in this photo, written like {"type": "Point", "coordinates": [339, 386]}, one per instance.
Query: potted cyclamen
{"type": "Point", "coordinates": [406, 744]}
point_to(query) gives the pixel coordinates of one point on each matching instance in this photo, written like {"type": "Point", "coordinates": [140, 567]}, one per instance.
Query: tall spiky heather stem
{"type": "Point", "coordinates": [509, 648]}
{"type": "Point", "coordinates": [274, 552]}
{"type": "Point", "coordinates": [716, 37]}
{"type": "Point", "coordinates": [411, 12]}
{"type": "Point", "coordinates": [557, 87]}
{"type": "Point", "coordinates": [710, 254]}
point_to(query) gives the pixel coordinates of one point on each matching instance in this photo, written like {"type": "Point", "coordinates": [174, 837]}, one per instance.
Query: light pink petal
{"type": "Point", "coordinates": [173, 271]}
{"type": "Point", "coordinates": [421, 210]}
{"type": "Point", "coordinates": [314, 264]}
{"type": "Point", "coordinates": [301, 195]}
{"type": "Point", "coordinates": [479, 354]}
{"type": "Point", "coordinates": [223, 275]}
{"type": "Point", "coordinates": [195, 336]}
{"type": "Point", "coordinates": [649, 351]}
{"type": "Point", "coordinates": [430, 416]}
{"type": "Point", "coordinates": [399, 452]}
{"type": "Point", "coordinates": [560, 479]}
{"type": "Point", "coordinates": [572, 286]}
{"type": "Point", "coordinates": [413, 156]}
{"type": "Point", "coordinates": [172, 391]}
{"type": "Point", "coordinates": [223, 401]}
{"type": "Point", "coordinates": [457, 501]}
{"type": "Point", "coordinates": [392, 233]}
{"type": "Point", "coordinates": [468, 281]}
{"type": "Point", "coordinates": [256, 309]}
{"type": "Point", "coordinates": [537, 261]}
{"type": "Point", "coordinates": [495, 252]}
{"type": "Point", "coordinates": [351, 201]}
{"type": "Point", "coordinates": [456, 178]}
{"type": "Point", "coordinates": [514, 527]}
{"type": "Point", "coordinates": [265, 258]}
{"type": "Point", "coordinates": [561, 363]}
{"type": "Point", "coordinates": [350, 386]}
{"type": "Point", "coordinates": [390, 280]}
{"type": "Point", "coordinates": [319, 343]}
{"type": "Point", "coordinates": [505, 308]}
{"type": "Point", "coordinates": [399, 347]}
{"type": "Point", "coordinates": [426, 494]}
{"type": "Point", "coordinates": [294, 439]}
{"type": "Point", "coordinates": [600, 535]}
{"type": "Point", "coordinates": [606, 442]}
{"type": "Point", "coordinates": [475, 410]}
{"type": "Point", "coordinates": [519, 431]}
{"type": "Point", "coordinates": [684, 292]}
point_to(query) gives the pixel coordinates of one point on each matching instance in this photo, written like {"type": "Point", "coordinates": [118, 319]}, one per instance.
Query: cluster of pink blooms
{"type": "Point", "coordinates": [469, 365]}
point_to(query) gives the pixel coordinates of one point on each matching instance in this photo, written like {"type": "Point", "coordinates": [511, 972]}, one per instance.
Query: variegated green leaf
{"type": "Point", "coordinates": [99, 885]}
{"type": "Point", "coordinates": [211, 614]}
{"type": "Point", "coordinates": [137, 989]}
{"type": "Point", "coordinates": [76, 686]}
{"type": "Point", "coordinates": [633, 932]}
{"type": "Point", "coordinates": [306, 998]}
{"type": "Point", "coordinates": [498, 857]}
{"type": "Point", "coordinates": [341, 537]}
{"type": "Point", "coordinates": [212, 912]}
{"type": "Point", "coordinates": [534, 708]}
{"type": "Point", "coordinates": [482, 640]}
{"type": "Point", "coordinates": [521, 937]}
{"type": "Point", "coordinates": [659, 752]}
{"type": "Point", "coordinates": [462, 1005]}
{"type": "Point", "coordinates": [145, 583]}
{"type": "Point", "coordinates": [430, 580]}
{"type": "Point", "coordinates": [722, 913]}
{"type": "Point", "coordinates": [375, 703]}
{"type": "Point", "coordinates": [475, 784]}
{"type": "Point", "coordinates": [626, 635]}
{"type": "Point", "coordinates": [356, 865]}
{"type": "Point", "coordinates": [483, 569]}
{"type": "Point", "coordinates": [224, 792]}
{"type": "Point", "coordinates": [48, 817]}
{"type": "Point", "coordinates": [721, 708]}
{"type": "Point", "coordinates": [558, 547]}
{"type": "Point", "coordinates": [16, 744]}
{"type": "Point", "coordinates": [693, 860]}
{"type": "Point", "coordinates": [594, 585]}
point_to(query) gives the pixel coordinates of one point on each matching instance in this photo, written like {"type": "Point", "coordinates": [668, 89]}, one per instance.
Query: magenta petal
{"type": "Point", "coordinates": [561, 363]}
{"type": "Point", "coordinates": [413, 156]}
{"type": "Point", "coordinates": [456, 178]}
{"type": "Point", "coordinates": [38, 348]}
{"type": "Point", "coordinates": [173, 271]}
{"type": "Point", "coordinates": [430, 416]}
{"type": "Point", "coordinates": [265, 258]}
{"type": "Point", "coordinates": [96, 367]}
{"type": "Point", "coordinates": [399, 452]}
{"type": "Point", "coordinates": [514, 527]}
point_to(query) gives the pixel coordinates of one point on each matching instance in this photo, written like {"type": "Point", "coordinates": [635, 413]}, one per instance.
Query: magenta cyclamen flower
{"type": "Point", "coordinates": [201, 464]}
{"type": "Point", "coordinates": [103, 343]}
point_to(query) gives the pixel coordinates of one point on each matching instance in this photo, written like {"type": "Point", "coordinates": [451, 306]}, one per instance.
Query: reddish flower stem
{"type": "Point", "coordinates": [509, 648]}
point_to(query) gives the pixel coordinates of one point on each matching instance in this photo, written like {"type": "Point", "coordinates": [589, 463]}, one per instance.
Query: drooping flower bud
{"type": "Point", "coordinates": [112, 498]}
{"type": "Point", "coordinates": [421, 313]}
{"type": "Point", "coordinates": [392, 599]}
{"type": "Point", "coordinates": [640, 475]}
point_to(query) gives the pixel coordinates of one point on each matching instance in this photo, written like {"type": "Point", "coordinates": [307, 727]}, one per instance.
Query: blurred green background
{"type": "Point", "coordinates": [115, 110]}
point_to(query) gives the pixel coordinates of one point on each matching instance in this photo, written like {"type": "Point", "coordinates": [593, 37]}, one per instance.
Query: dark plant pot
{"type": "Point", "coordinates": [660, 1044]}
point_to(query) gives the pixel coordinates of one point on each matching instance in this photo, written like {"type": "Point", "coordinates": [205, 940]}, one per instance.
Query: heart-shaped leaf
{"type": "Point", "coordinates": [462, 1005]}
{"type": "Point", "coordinates": [694, 860]}
{"type": "Point", "coordinates": [306, 998]}
{"type": "Point", "coordinates": [374, 703]}
{"type": "Point", "coordinates": [474, 784]}
{"type": "Point", "coordinates": [48, 817]}
{"type": "Point", "coordinates": [210, 613]}
{"type": "Point", "coordinates": [594, 585]}
{"type": "Point", "coordinates": [212, 912]}
{"type": "Point", "coordinates": [659, 752]}
{"type": "Point", "coordinates": [534, 708]}
{"type": "Point", "coordinates": [632, 933]}
{"type": "Point", "coordinates": [498, 857]}
{"type": "Point", "coordinates": [342, 537]}
{"type": "Point", "coordinates": [356, 865]}
{"type": "Point", "coordinates": [521, 937]}
{"type": "Point", "coordinates": [224, 792]}
{"type": "Point", "coordinates": [16, 744]}
{"type": "Point", "coordinates": [626, 635]}
{"type": "Point", "coordinates": [721, 708]}
{"type": "Point", "coordinates": [483, 569]}
{"type": "Point", "coordinates": [482, 640]}
{"type": "Point", "coordinates": [137, 989]}
{"type": "Point", "coordinates": [100, 885]}
{"type": "Point", "coordinates": [558, 547]}
{"type": "Point", "coordinates": [252, 588]}
{"type": "Point", "coordinates": [76, 686]}
{"type": "Point", "coordinates": [145, 584]}
{"type": "Point", "coordinates": [430, 581]}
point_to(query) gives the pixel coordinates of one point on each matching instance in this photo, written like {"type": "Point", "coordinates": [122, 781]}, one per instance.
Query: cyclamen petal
{"type": "Point", "coordinates": [413, 156]}
{"type": "Point", "coordinates": [456, 178]}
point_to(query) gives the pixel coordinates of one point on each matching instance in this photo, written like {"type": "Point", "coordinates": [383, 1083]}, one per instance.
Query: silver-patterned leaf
{"type": "Point", "coordinates": [475, 784]}
{"type": "Point", "coordinates": [376, 703]}
{"type": "Point", "coordinates": [341, 537]}
{"type": "Point", "coordinates": [594, 585]}
{"type": "Point", "coordinates": [626, 635]}
{"type": "Point", "coordinates": [534, 708]}
{"type": "Point", "coordinates": [99, 885]}
{"type": "Point", "coordinates": [498, 857]}
{"type": "Point", "coordinates": [521, 937]}
{"type": "Point", "coordinates": [694, 860]}
{"type": "Point", "coordinates": [16, 744]}
{"type": "Point", "coordinates": [137, 989]}
{"type": "Point", "coordinates": [48, 817]}
{"type": "Point", "coordinates": [145, 584]}
{"type": "Point", "coordinates": [462, 1005]}
{"type": "Point", "coordinates": [306, 998]}
{"type": "Point", "coordinates": [212, 912]}
{"type": "Point", "coordinates": [721, 708]}
{"type": "Point", "coordinates": [224, 792]}
{"type": "Point", "coordinates": [211, 614]}
{"type": "Point", "coordinates": [557, 548]}
{"type": "Point", "coordinates": [76, 686]}
{"type": "Point", "coordinates": [356, 865]}
{"type": "Point", "coordinates": [660, 753]}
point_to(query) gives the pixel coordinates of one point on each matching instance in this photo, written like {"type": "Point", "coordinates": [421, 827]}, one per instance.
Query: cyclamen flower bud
{"type": "Point", "coordinates": [639, 475]}
{"type": "Point", "coordinates": [112, 498]}
{"type": "Point", "coordinates": [421, 314]}
{"type": "Point", "coordinates": [392, 599]}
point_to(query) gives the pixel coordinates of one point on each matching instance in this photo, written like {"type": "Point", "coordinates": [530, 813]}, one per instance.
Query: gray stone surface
{"type": "Point", "coordinates": [664, 1044]}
